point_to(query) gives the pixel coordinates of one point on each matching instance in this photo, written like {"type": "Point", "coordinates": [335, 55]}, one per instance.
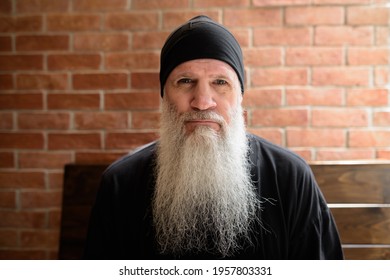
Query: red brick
{"type": "Point", "coordinates": [243, 36]}
{"type": "Point", "coordinates": [145, 80]}
{"type": "Point", "coordinates": [158, 4]}
{"type": "Point", "coordinates": [73, 101]}
{"type": "Point", "coordinates": [368, 56]}
{"type": "Point", "coordinates": [298, 137]}
{"type": "Point", "coordinates": [22, 219]}
{"type": "Point", "coordinates": [5, 43]}
{"type": "Point", "coordinates": [6, 120]}
{"type": "Point", "coordinates": [99, 5]}
{"type": "Point", "coordinates": [7, 200]}
{"type": "Point", "coordinates": [40, 239]}
{"type": "Point", "coordinates": [132, 21]}
{"type": "Point", "coordinates": [54, 219]}
{"type": "Point", "coordinates": [101, 120]}
{"type": "Point", "coordinates": [6, 7]}
{"type": "Point", "coordinates": [44, 120]}
{"type": "Point", "coordinates": [343, 154]}
{"type": "Point", "coordinates": [219, 3]}
{"type": "Point", "coordinates": [382, 76]}
{"type": "Point", "coordinates": [280, 117]}
{"type": "Point", "coordinates": [149, 40]}
{"type": "Point", "coordinates": [73, 61]}
{"type": "Point", "coordinates": [369, 138]}
{"type": "Point", "coordinates": [315, 97]}
{"type": "Point", "coordinates": [280, 2]}
{"type": "Point", "coordinates": [73, 22]}
{"type": "Point", "coordinates": [47, 160]}
{"type": "Point", "coordinates": [252, 17]}
{"type": "Point", "coordinates": [279, 76]}
{"type": "Point", "coordinates": [262, 98]}
{"type": "Point", "coordinates": [292, 36]}
{"type": "Point", "coordinates": [382, 118]}
{"type": "Point", "coordinates": [305, 153]}
{"type": "Point", "coordinates": [263, 57]}
{"type": "Point", "coordinates": [343, 76]}
{"type": "Point", "coordinates": [7, 160]}
{"type": "Point", "coordinates": [136, 100]}
{"type": "Point", "coordinates": [56, 179]}
{"type": "Point", "coordinates": [271, 134]}
{"type": "Point", "coordinates": [74, 141]}
{"type": "Point", "coordinates": [345, 2]}
{"type": "Point", "coordinates": [100, 81]}
{"type": "Point", "coordinates": [21, 101]}
{"type": "Point", "coordinates": [98, 157]}
{"type": "Point", "coordinates": [367, 97]}
{"type": "Point", "coordinates": [339, 117]}
{"type": "Point", "coordinates": [42, 42]}
{"type": "Point", "coordinates": [22, 180]}
{"type": "Point", "coordinates": [174, 18]}
{"type": "Point", "coordinates": [40, 199]}
{"type": "Point", "coordinates": [20, 140]}
{"type": "Point", "coordinates": [382, 34]}
{"type": "Point", "coordinates": [42, 81]}
{"type": "Point", "coordinates": [101, 42]}
{"type": "Point", "coordinates": [314, 56]}
{"type": "Point", "coordinates": [343, 35]}
{"type": "Point", "coordinates": [368, 15]}
{"type": "Point", "coordinates": [42, 6]}
{"type": "Point", "coordinates": [314, 15]}
{"type": "Point", "coordinates": [9, 238]}
{"type": "Point", "coordinates": [383, 154]}
{"type": "Point", "coordinates": [123, 140]}
{"type": "Point", "coordinates": [133, 60]}
{"type": "Point", "coordinates": [6, 82]}
{"type": "Point", "coordinates": [21, 62]}
{"type": "Point", "coordinates": [14, 24]}
{"type": "Point", "coordinates": [145, 120]}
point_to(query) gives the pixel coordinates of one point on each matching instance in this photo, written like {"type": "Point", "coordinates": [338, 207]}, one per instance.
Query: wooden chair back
{"type": "Point", "coordinates": [358, 194]}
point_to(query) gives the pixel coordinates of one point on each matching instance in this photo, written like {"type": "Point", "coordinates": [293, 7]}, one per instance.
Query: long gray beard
{"type": "Point", "coordinates": [204, 200]}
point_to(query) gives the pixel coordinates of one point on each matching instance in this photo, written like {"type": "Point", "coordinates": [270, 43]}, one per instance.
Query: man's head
{"type": "Point", "coordinates": [204, 200]}
{"type": "Point", "coordinates": [198, 38]}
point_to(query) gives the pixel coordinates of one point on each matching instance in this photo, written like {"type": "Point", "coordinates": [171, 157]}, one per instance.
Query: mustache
{"type": "Point", "coordinates": [203, 115]}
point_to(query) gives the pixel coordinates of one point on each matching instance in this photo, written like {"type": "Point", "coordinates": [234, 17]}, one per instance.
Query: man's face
{"type": "Point", "coordinates": [203, 85]}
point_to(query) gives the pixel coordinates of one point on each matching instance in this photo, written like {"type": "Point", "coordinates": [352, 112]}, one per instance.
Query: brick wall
{"type": "Point", "coordinates": [79, 83]}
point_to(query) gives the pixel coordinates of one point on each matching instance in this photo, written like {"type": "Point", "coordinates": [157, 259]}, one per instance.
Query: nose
{"type": "Point", "coordinates": [202, 98]}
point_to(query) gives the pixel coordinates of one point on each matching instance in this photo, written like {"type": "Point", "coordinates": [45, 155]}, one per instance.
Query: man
{"type": "Point", "coordinates": [207, 189]}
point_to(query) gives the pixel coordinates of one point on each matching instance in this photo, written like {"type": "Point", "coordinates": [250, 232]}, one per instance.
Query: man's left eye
{"type": "Point", "coordinates": [220, 82]}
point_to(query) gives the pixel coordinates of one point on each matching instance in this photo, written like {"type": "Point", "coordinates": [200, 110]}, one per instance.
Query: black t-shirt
{"type": "Point", "coordinates": [296, 222]}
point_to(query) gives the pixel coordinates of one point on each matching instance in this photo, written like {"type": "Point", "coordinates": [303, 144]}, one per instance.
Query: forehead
{"type": "Point", "coordinates": [212, 67]}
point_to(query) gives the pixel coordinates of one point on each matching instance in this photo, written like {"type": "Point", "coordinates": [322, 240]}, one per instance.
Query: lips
{"type": "Point", "coordinates": [193, 124]}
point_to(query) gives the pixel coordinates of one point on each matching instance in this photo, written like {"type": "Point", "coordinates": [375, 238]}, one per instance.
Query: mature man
{"type": "Point", "coordinates": [207, 189]}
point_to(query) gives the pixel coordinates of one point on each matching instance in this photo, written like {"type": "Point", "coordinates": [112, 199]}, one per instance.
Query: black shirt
{"type": "Point", "coordinates": [296, 222]}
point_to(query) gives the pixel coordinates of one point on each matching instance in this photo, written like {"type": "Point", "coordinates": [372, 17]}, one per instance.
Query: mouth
{"type": "Point", "coordinates": [191, 125]}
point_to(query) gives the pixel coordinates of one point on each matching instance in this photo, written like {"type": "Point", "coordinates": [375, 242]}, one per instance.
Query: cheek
{"type": "Point", "coordinates": [227, 107]}
{"type": "Point", "coordinates": [179, 101]}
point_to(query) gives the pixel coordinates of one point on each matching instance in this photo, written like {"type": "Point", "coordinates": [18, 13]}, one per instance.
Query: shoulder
{"type": "Point", "coordinates": [140, 158]}
{"type": "Point", "coordinates": [275, 155]}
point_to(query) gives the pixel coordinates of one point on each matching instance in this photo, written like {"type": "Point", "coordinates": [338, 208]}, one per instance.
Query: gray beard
{"type": "Point", "coordinates": [204, 200]}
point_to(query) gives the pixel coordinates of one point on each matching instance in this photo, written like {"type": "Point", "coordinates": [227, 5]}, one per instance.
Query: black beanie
{"type": "Point", "coordinates": [200, 37]}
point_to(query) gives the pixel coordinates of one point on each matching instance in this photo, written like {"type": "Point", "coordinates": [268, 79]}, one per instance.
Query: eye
{"type": "Point", "coordinates": [184, 81]}
{"type": "Point", "coordinates": [220, 82]}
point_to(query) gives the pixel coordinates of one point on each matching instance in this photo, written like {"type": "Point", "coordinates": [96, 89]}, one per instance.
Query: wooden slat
{"type": "Point", "coordinates": [354, 183]}
{"type": "Point", "coordinates": [363, 225]}
{"type": "Point", "coordinates": [80, 186]}
{"type": "Point", "coordinates": [367, 253]}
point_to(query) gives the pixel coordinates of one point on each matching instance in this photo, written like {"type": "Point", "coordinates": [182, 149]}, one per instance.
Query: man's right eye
{"type": "Point", "coordinates": [185, 81]}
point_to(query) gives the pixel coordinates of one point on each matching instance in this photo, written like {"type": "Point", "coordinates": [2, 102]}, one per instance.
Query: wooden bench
{"type": "Point", "coordinates": [358, 194]}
